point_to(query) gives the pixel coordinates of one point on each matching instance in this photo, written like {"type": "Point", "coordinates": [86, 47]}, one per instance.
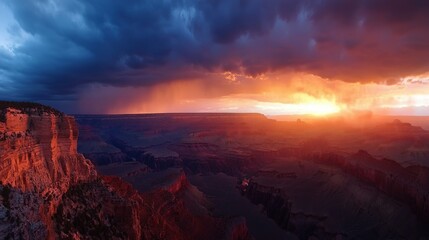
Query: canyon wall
{"type": "Point", "coordinates": [407, 184]}
{"type": "Point", "coordinates": [276, 204]}
{"type": "Point", "coordinates": [38, 164]}
{"type": "Point", "coordinates": [38, 151]}
{"type": "Point", "coordinates": [50, 191]}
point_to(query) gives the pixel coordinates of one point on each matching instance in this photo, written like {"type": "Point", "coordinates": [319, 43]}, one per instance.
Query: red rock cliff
{"type": "Point", "coordinates": [39, 162]}
{"type": "Point", "coordinates": [38, 151]}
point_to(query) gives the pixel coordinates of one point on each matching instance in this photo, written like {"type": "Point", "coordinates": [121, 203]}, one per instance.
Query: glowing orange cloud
{"type": "Point", "coordinates": [274, 94]}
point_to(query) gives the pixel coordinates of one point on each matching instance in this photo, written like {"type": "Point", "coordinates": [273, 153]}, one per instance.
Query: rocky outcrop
{"type": "Point", "coordinates": [275, 203]}
{"type": "Point", "coordinates": [409, 185]}
{"type": "Point", "coordinates": [278, 207]}
{"type": "Point", "coordinates": [38, 151]}
{"type": "Point", "coordinates": [101, 209]}
{"type": "Point", "coordinates": [237, 229]}
{"type": "Point", "coordinates": [177, 184]}
{"type": "Point", "coordinates": [38, 162]}
{"type": "Point", "coordinates": [163, 214]}
{"type": "Point", "coordinates": [22, 214]}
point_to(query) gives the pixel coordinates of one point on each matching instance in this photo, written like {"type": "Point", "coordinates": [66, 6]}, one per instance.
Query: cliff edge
{"type": "Point", "coordinates": [50, 191]}
{"type": "Point", "coordinates": [38, 164]}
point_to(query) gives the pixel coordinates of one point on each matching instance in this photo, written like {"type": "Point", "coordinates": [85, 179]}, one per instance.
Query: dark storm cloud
{"type": "Point", "coordinates": [72, 43]}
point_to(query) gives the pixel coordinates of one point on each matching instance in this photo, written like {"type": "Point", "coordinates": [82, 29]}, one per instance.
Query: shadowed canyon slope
{"type": "Point", "coordinates": [50, 191]}
{"type": "Point", "coordinates": [325, 179]}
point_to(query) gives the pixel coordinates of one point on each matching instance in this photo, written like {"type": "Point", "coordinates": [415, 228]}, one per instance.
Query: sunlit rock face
{"type": "Point", "coordinates": [38, 164]}
{"type": "Point", "coordinates": [38, 151]}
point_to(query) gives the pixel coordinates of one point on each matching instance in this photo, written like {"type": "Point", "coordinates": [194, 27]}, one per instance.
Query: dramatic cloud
{"type": "Point", "coordinates": [54, 51]}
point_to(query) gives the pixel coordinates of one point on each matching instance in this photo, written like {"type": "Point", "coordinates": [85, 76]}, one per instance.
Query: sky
{"type": "Point", "coordinates": [268, 56]}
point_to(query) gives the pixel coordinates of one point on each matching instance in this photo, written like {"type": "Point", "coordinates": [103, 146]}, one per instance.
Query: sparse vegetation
{"type": "Point", "coordinates": [26, 106]}
{"type": "Point", "coordinates": [5, 193]}
{"type": "Point", "coordinates": [88, 218]}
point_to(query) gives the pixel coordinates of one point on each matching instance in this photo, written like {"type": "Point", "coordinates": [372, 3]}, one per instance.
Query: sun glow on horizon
{"type": "Point", "coordinates": [320, 108]}
{"type": "Point", "coordinates": [325, 97]}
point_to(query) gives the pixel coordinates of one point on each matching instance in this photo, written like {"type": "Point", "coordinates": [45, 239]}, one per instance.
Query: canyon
{"type": "Point", "coordinates": [208, 176]}
{"type": "Point", "coordinates": [51, 191]}
{"type": "Point", "coordinates": [325, 179]}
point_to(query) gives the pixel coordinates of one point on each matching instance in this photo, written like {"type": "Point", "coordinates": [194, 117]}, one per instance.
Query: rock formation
{"type": "Point", "coordinates": [50, 191]}
{"type": "Point", "coordinates": [38, 151]}
{"type": "Point", "coordinates": [276, 205]}
{"type": "Point", "coordinates": [38, 156]}
{"type": "Point", "coordinates": [409, 185]}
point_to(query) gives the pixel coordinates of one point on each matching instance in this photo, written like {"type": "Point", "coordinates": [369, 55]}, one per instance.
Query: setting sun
{"type": "Point", "coordinates": [321, 108]}
{"type": "Point", "coordinates": [313, 108]}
